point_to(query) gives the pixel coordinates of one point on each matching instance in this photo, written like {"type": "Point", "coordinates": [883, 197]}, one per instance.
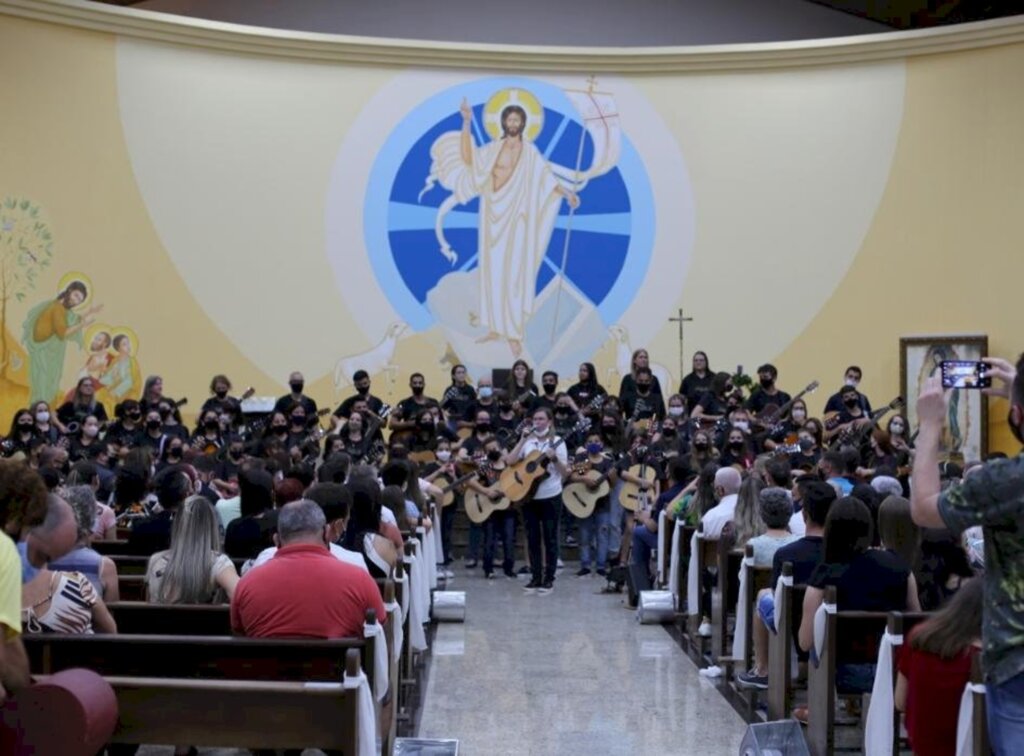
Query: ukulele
{"type": "Point", "coordinates": [520, 480]}
{"type": "Point", "coordinates": [581, 498]}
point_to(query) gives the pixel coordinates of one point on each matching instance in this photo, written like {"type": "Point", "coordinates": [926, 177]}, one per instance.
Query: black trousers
{"type": "Point", "coordinates": [541, 517]}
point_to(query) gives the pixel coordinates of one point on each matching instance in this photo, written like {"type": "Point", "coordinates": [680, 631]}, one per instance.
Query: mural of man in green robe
{"type": "Point", "coordinates": [48, 328]}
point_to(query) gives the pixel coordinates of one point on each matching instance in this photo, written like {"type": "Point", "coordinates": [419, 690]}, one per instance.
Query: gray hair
{"type": "Point", "coordinates": [195, 545]}
{"type": "Point", "coordinates": [887, 486]}
{"type": "Point", "coordinates": [728, 479]}
{"type": "Point", "coordinates": [302, 517]}
{"type": "Point", "coordinates": [57, 513]}
{"type": "Point", "coordinates": [776, 507]}
{"type": "Point", "coordinates": [83, 502]}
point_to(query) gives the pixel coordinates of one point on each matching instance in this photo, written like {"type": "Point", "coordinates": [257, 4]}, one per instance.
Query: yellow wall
{"type": "Point", "coordinates": [834, 208]}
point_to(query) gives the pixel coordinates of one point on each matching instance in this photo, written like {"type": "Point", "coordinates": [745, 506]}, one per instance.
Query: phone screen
{"type": "Point", "coordinates": [965, 374]}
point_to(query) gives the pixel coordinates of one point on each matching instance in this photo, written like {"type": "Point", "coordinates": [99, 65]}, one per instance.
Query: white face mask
{"type": "Point", "coordinates": [896, 429]}
{"type": "Point", "coordinates": [675, 411]}
{"type": "Point", "coordinates": [799, 415]}
{"type": "Point", "coordinates": [90, 431]}
{"type": "Point", "coordinates": [485, 392]}
{"type": "Point", "coordinates": [743, 425]}
{"type": "Point", "coordinates": [852, 382]}
{"type": "Point", "coordinates": [443, 455]}
{"type": "Point", "coordinates": [43, 416]}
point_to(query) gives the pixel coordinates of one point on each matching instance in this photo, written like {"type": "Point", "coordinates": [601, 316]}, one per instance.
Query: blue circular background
{"type": "Point", "coordinates": [612, 231]}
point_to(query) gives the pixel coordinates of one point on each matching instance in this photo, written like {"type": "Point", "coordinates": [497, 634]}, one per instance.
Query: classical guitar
{"type": "Point", "coordinates": [632, 496]}
{"type": "Point", "coordinates": [854, 435]}
{"type": "Point", "coordinates": [581, 498]}
{"type": "Point", "coordinates": [771, 416]}
{"type": "Point", "coordinates": [448, 490]}
{"type": "Point", "coordinates": [520, 480]}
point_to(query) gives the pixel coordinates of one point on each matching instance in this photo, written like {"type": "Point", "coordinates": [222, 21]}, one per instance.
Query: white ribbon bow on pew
{"type": "Point", "coordinates": [693, 577]}
{"type": "Point", "coordinates": [396, 618]}
{"type": "Point", "coordinates": [662, 545]}
{"type": "Point", "coordinates": [367, 723]}
{"type": "Point", "coordinates": [965, 722]}
{"type": "Point", "coordinates": [784, 580]}
{"type": "Point", "coordinates": [380, 658]}
{"type": "Point", "coordinates": [739, 636]}
{"type": "Point", "coordinates": [673, 565]}
{"type": "Point", "coordinates": [426, 555]}
{"type": "Point", "coordinates": [878, 729]}
{"type": "Point", "coordinates": [819, 626]}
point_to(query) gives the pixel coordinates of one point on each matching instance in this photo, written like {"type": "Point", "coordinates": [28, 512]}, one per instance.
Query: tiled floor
{"type": "Point", "coordinates": [568, 673]}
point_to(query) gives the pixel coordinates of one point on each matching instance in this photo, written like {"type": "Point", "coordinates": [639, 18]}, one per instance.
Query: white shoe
{"type": "Point", "coordinates": [704, 631]}
{"type": "Point", "coordinates": [559, 563]}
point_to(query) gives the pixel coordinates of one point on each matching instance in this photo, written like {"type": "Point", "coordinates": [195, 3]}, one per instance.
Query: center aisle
{"type": "Point", "coordinates": [567, 673]}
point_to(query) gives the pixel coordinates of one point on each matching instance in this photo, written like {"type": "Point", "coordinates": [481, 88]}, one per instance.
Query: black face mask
{"type": "Point", "coordinates": [221, 393]}
{"type": "Point", "coordinates": [26, 426]}
{"type": "Point", "coordinates": [279, 428]}
{"type": "Point", "coordinates": [211, 424]}
{"type": "Point", "coordinates": [736, 445]}
{"type": "Point", "coordinates": [297, 387]}
{"type": "Point", "coordinates": [851, 402]}
{"type": "Point", "coordinates": [174, 452]}
{"type": "Point", "coordinates": [363, 390]}
{"type": "Point", "coordinates": [235, 454]}
{"type": "Point", "coordinates": [563, 411]}
{"type": "Point", "coordinates": [609, 430]}
{"type": "Point", "coordinates": [298, 422]}
{"type": "Point", "coordinates": [668, 432]}
{"type": "Point", "coordinates": [806, 444]}
{"type": "Point", "coordinates": [154, 425]}
{"type": "Point", "coordinates": [483, 427]}
{"type": "Point", "coordinates": [494, 455]}
{"type": "Point", "coordinates": [505, 407]}
{"type": "Point", "coordinates": [767, 383]}
{"type": "Point", "coordinates": [417, 391]}
{"type": "Point", "coordinates": [643, 388]}
{"type": "Point", "coordinates": [549, 388]}
{"type": "Point", "coordinates": [700, 445]}
{"type": "Point", "coordinates": [134, 416]}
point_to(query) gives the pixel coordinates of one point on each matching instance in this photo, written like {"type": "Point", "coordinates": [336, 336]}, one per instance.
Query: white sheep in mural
{"type": "Point", "coordinates": [373, 361]}
{"type": "Point", "coordinates": [624, 362]}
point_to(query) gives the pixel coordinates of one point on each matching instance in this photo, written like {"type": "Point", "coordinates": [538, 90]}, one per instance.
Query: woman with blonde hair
{"type": "Point", "coordinates": [194, 570]}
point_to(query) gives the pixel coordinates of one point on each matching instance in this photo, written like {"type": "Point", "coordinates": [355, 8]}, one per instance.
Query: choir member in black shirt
{"type": "Point", "coordinates": [767, 393]}
{"type": "Point", "coordinates": [361, 381]}
{"type": "Point", "coordinates": [221, 401]}
{"type": "Point", "coordinates": [404, 419]}
{"type": "Point", "coordinates": [587, 390]}
{"type": "Point", "coordinates": [627, 387]}
{"type": "Point", "coordinates": [82, 404]}
{"type": "Point", "coordinates": [851, 379]}
{"type": "Point", "coordinates": [459, 400]}
{"type": "Point", "coordinates": [644, 403]}
{"type": "Point", "coordinates": [127, 427]}
{"type": "Point", "coordinates": [520, 387]}
{"type": "Point", "coordinates": [714, 404]}
{"type": "Point", "coordinates": [698, 381]}
{"type": "Point", "coordinates": [549, 391]}
{"type": "Point", "coordinates": [296, 383]}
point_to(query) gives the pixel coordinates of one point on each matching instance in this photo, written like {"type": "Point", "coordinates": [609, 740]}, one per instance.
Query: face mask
{"type": "Point", "coordinates": [896, 429]}
{"type": "Point", "coordinates": [134, 415]}
{"type": "Point", "coordinates": [483, 427]}
{"type": "Point", "coordinates": [279, 428]}
{"type": "Point", "coordinates": [609, 430]}
{"type": "Point", "coordinates": [155, 425]}
{"type": "Point", "coordinates": [806, 444]}
{"type": "Point", "coordinates": [211, 424]}
{"type": "Point", "coordinates": [549, 388]}
{"type": "Point", "coordinates": [485, 392]}
{"type": "Point", "coordinates": [736, 445]}
{"type": "Point", "coordinates": [700, 445]}
{"type": "Point", "coordinates": [675, 411]}
{"type": "Point", "coordinates": [443, 455]}
{"type": "Point", "coordinates": [595, 448]}
{"type": "Point", "coordinates": [851, 402]}
{"type": "Point", "coordinates": [363, 390]}
{"type": "Point", "coordinates": [298, 422]}
{"type": "Point", "coordinates": [26, 426]}
{"type": "Point", "coordinates": [43, 416]}
{"type": "Point", "coordinates": [505, 407]}
{"type": "Point", "coordinates": [563, 411]}
{"type": "Point", "coordinates": [297, 386]}
{"type": "Point", "coordinates": [494, 455]}
{"type": "Point", "coordinates": [174, 452]}
{"type": "Point", "coordinates": [767, 383]}
{"type": "Point", "coordinates": [235, 454]}
{"type": "Point", "coordinates": [221, 393]}
{"type": "Point", "coordinates": [90, 431]}
{"type": "Point", "coordinates": [417, 391]}
{"type": "Point", "coordinates": [852, 382]}
{"type": "Point", "coordinates": [669, 432]}
{"type": "Point", "coordinates": [643, 388]}
{"type": "Point", "coordinates": [742, 424]}
{"type": "Point", "coordinates": [799, 415]}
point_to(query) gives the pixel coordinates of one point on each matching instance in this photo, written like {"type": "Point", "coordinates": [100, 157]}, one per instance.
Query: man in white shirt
{"type": "Point", "coordinates": [727, 486]}
{"type": "Point", "coordinates": [335, 501]}
{"type": "Point", "coordinates": [541, 511]}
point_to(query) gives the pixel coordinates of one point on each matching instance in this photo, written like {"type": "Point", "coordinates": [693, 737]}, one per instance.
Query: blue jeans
{"type": "Point", "coordinates": [541, 517]}
{"type": "Point", "coordinates": [500, 526]}
{"type": "Point", "coordinates": [598, 524]}
{"type": "Point", "coordinates": [644, 542]}
{"type": "Point", "coordinates": [766, 609]}
{"type": "Point", "coordinates": [1004, 707]}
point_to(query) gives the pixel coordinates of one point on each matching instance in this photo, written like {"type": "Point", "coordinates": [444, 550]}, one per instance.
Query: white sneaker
{"type": "Point", "coordinates": [559, 563]}
{"type": "Point", "coordinates": [704, 631]}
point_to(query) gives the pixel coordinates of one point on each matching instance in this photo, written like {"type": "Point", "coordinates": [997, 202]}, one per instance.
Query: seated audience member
{"type": "Point", "coordinates": [886, 485]}
{"type": "Point", "coordinates": [105, 523]}
{"type": "Point", "coordinates": [934, 666]}
{"type": "Point", "coordinates": [775, 508]}
{"type": "Point", "coordinates": [152, 534]}
{"type": "Point", "coordinates": [335, 501]}
{"type": "Point", "coordinates": [363, 533]}
{"type": "Point", "coordinates": [58, 602]}
{"type": "Point", "coordinates": [866, 579]}
{"type": "Point", "coordinates": [333, 605]}
{"type": "Point", "coordinates": [832, 469]}
{"type": "Point", "coordinates": [943, 564]}
{"type": "Point", "coordinates": [746, 520]}
{"type": "Point", "coordinates": [193, 570]}
{"type": "Point", "coordinates": [805, 555]}
{"type": "Point", "coordinates": [727, 487]}
{"type": "Point", "coordinates": [247, 536]}
{"type": "Point", "coordinates": [897, 532]}
{"type": "Point", "coordinates": [131, 489]}
{"type": "Point", "coordinates": [100, 570]}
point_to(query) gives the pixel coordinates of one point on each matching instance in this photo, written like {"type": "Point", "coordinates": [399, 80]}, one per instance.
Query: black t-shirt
{"type": "Point", "coordinates": [287, 402]}
{"type": "Point", "coordinates": [373, 403]}
{"type": "Point", "coordinates": [151, 534]}
{"type": "Point", "coordinates": [70, 412]}
{"type": "Point", "coordinates": [761, 399]}
{"type": "Point", "coordinates": [694, 387]}
{"type": "Point", "coordinates": [875, 581]}
{"type": "Point", "coordinates": [712, 405]}
{"type": "Point", "coordinates": [643, 407]}
{"type": "Point", "coordinates": [118, 434]}
{"type": "Point", "coordinates": [835, 403]}
{"type": "Point", "coordinates": [584, 394]}
{"type": "Point", "coordinates": [409, 409]}
{"type": "Point", "coordinates": [805, 554]}
{"type": "Point", "coordinates": [246, 537]}
{"type": "Point", "coordinates": [458, 402]}
{"type": "Point", "coordinates": [474, 444]}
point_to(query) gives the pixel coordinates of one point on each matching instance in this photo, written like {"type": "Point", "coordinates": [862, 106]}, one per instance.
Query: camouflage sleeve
{"type": "Point", "coordinates": [992, 497]}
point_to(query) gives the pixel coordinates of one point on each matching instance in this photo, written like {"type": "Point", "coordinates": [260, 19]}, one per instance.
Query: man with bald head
{"type": "Point", "coordinates": [304, 592]}
{"type": "Point", "coordinates": [727, 486]}
{"type": "Point", "coordinates": [48, 542]}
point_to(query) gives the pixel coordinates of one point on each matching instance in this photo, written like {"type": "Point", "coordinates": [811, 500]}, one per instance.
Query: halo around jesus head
{"type": "Point", "coordinates": [513, 96]}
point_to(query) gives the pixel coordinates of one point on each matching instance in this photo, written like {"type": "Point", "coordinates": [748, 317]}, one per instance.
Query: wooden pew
{"type": "Point", "coordinates": [143, 618]}
{"type": "Point", "coordinates": [131, 564]}
{"type": "Point", "coordinates": [821, 684]}
{"type": "Point", "coordinates": [723, 601]}
{"type": "Point", "coordinates": [132, 587]}
{"type": "Point", "coordinates": [980, 745]}
{"type": "Point", "coordinates": [118, 547]}
{"type": "Point", "coordinates": [238, 714]}
{"type": "Point", "coordinates": [707, 556]}
{"type": "Point", "coordinates": [900, 624]}
{"type": "Point", "coordinates": [682, 584]}
{"type": "Point", "coordinates": [758, 578]}
{"type": "Point", "coordinates": [788, 610]}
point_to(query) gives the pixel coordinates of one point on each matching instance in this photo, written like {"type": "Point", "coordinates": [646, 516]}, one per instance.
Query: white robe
{"type": "Point", "coordinates": [514, 228]}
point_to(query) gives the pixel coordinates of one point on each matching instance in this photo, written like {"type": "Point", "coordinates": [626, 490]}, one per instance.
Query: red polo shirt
{"type": "Point", "coordinates": [304, 592]}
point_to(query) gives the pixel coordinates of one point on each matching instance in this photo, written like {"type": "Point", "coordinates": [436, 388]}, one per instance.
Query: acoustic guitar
{"type": "Point", "coordinates": [633, 497]}
{"type": "Point", "coordinates": [448, 490]}
{"type": "Point", "coordinates": [770, 418]}
{"type": "Point", "coordinates": [854, 435]}
{"type": "Point", "coordinates": [520, 480]}
{"type": "Point", "coordinates": [581, 498]}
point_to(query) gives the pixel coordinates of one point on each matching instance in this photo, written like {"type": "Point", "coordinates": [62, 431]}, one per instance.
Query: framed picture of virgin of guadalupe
{"type": "Point", "coordinates": [966, 435]}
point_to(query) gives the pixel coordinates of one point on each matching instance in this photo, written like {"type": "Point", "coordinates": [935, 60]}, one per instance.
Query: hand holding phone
{"type": "Point", "coordinates": [965, 374]}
